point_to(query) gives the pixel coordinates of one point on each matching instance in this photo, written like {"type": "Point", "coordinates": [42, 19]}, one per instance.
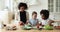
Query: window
{"type": "Point", "coordinates": [57, 5]}
{"type": "Point", "coordinates": [54, 6]}
{"type": "Point", "coordinates": [50, 5]}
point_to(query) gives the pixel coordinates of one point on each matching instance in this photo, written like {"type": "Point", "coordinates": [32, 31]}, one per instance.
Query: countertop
{"type": "Point", "coordinates": [32, 30]}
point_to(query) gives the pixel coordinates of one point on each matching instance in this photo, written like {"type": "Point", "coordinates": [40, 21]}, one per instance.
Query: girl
{"type": "Point", "coordinates": [45, 18]}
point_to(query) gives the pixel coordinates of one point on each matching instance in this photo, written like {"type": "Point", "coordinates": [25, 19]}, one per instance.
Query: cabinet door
{"type": "Point", "coordinates": [51, 5]}
{"type": "Point", "coordinates": [54, 6]}
{"type": "Point", "coordinates": [58, 6]}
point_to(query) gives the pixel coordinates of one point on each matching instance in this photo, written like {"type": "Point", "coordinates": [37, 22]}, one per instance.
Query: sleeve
{"type": "Point", "coordinates": [27, 15]}
{"type": "Point", "coordinates": [17, 16]}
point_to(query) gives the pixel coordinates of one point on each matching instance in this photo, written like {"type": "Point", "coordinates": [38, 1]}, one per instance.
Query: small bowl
{"type": "Point", "coordinates": [57, 27]}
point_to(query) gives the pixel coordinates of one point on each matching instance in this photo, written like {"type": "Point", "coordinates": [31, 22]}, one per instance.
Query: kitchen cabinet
{"type": "Point", "coordinates": [54, 6]}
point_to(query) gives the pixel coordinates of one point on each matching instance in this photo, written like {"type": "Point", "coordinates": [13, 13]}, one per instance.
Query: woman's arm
{"type": "Point", "coordinates": [27, 21]}
{"type": "Point", "coordinates": [17, 17]}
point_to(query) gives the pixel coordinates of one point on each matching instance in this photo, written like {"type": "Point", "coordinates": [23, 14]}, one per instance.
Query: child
{"type": "Point", "coordinates": [34, 20]}
{"type": "Point", "coordinates": [45, 18]}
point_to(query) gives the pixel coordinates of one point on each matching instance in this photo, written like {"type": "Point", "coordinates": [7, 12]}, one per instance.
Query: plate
{"type": "Point", "coordinates": [26, 27]}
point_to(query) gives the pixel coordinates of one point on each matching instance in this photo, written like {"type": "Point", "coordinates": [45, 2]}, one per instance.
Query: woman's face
{"type": "Point", "coordinates": [42, 16]}
{"type": "Point", "coordinates": [22, 8]}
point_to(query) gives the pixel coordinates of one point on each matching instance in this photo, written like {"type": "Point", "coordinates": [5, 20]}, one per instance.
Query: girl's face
{"type": "Point", "coordinates": [34, 16]}
{"type": "Point", "coordinates": [22, 8]}
{"type": "Point", "coordinates": [42, 16]}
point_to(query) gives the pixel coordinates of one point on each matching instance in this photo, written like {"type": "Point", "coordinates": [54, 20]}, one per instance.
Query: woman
{"type": "Point", "coordinates": [22, 16]}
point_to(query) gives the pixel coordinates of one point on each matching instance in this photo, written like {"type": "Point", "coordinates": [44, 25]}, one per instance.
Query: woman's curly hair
{"type": "Point", "coordinates": [22, 5]}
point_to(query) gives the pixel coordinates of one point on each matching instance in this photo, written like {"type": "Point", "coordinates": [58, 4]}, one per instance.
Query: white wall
{"type": "Point", "coordinates": [43, 5]}
{"type": "Point", "coordinates": [1, 4]}
{"type": "Point", "coordinates": [55, 16]}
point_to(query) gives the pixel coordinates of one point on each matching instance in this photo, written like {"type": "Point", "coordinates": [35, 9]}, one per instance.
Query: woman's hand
{"type": "Point", "coordinates": [27, 21]}
{"type": "Point", "coordinates": [21, 23]}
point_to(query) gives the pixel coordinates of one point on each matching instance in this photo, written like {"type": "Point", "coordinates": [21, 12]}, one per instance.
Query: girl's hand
{"type": "Point", "coordinates": [50, 22]}
{"type": "Point", "coordinates": [38, 26]}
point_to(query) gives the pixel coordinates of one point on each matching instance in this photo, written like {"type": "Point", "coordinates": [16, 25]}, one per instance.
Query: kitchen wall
{"type": "Point", "coordinates": [43, 4]}
{"type": "Point", "coordinates": [1, 4]}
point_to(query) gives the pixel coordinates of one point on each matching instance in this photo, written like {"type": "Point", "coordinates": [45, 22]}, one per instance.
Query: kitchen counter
{"type": "Point", "coordinates": [3, 30]}
{"type": "Point", "coordinates": [32, 30]}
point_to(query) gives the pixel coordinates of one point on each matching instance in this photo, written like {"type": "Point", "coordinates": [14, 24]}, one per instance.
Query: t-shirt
{"type": "Point", "coordinates": [44, 22]}
{"type": "Point", "coordinates": [33, 21]}
{"type": "Point", "coordinates": [23, 16]}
